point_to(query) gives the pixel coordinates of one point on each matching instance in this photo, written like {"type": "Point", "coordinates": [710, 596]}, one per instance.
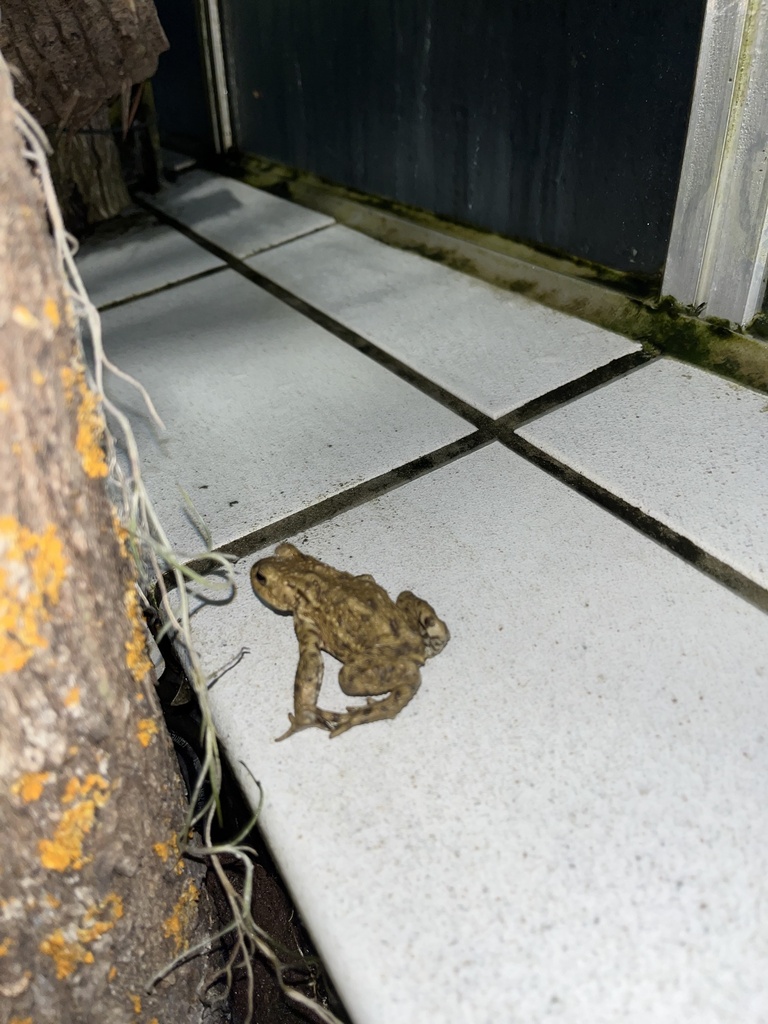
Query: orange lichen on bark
{"type": "Point", "coordinates": [30, 786]}
{"type": "Point", "coordinates": [65, 850]}
{"type": "Point", "coordinates": [24, 318]}
{"type": "Point", "coordinates": [53, 901]}
{"type": "Point", "coordinates": [92, 783]}
{"type": "Point", "coordinates": [112, 973]}
{"type": "Point", "coordinates": [5, 946]}
{"type": "Point", "coordinates": [136, 648]}
{"type": "Point", "coordinates": [66, 955]}
{"type": "Point", "coordinates": [180, 923]}
{"type": "Point", "coordinates": [110, 909]}
{"type": "Point", "coordinates": [51, 311]}
{"type": "Point", "coordinates": [147, 728]}
{"type": "Point", "coordinates": [165, 850]}
{"type": "Point", "coordinates": [20, 1020]}
{"type": "Point", "coordinates": [90, 423]}
{"type": "Point", "coordinates": [136, 1000]}
{"type": "Point", "coordinates": [32, 567]}
{"type": "Point", "coordinates": [72, 697]}
{"type": "Point", "coordinates": [121, 533]}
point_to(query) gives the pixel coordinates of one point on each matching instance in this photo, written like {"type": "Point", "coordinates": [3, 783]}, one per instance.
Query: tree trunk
{"type": "Point", "coordinates": [86, 172]}
{"type": "Point", "coordinates": [71, 56]}
{"type": "Point", "coordinates": [93, 899]}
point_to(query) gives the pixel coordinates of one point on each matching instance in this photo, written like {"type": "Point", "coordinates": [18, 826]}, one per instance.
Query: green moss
{"type": "Point", "coordinates": [709, 343]}
{"type": "Point", "coordinates": [621, 302]}
{"type": "Point", "coordinates": [265, 174]}
{"type": "Point", "coordinates": [759, 326]}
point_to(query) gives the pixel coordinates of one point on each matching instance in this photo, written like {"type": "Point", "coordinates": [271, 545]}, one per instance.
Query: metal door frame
{"type": "Point", "coordinates": [212, 46]}
{"type": "Point", "coordinates": [718, 250]}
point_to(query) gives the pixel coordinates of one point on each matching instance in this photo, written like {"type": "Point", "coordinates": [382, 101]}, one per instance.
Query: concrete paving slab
{"type": "Point", "coordinates": [241, 219]}
{"type": "Point", "coordinates": [265, 412]}
{"type": "Point", "coordinates": [568, 821]}
{"type": "Point", "coordinates": [492, 348]}
{"type": "Point", "coordinates": [685, 446]}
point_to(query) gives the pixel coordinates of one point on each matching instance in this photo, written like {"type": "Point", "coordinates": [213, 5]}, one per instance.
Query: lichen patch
{"type": "Point", "coordinates": [30, 786]}
{"type": "Point", "coordinates": [170, 849]}
{"type": "Point", "coordinates": [32, 568]}
{"type": "Point", "coordinates": [67, 955]}
{"type": "Point", "coordinates": [147, 728]}
{"type": "Point", "coordinates": [51, 311]}
{"type": "Point", "coordinates": [69, 951]}
{"type": "Point", "coordinates": [65, 851]}
{"type": "Point", "coordinates": [72, 697]}
{"type": "Point", "coordinates": [24, 318]}
{"type": "Point", "coordinates": [100, 918]}
{"type": "Point", "coordinates": [123, 536]}
{"type": "Point", "coordinates": [179, 924]}
{"type": "Point", "coordinates": [90, 422]}
{"type": "Point", "coordinates": [136, 657]}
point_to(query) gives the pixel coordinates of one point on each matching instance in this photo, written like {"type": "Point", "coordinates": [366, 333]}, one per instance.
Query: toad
{"type": "Point", "coordinates": [381, 643]}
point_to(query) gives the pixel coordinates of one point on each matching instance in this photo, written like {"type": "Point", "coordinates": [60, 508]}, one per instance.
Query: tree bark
{"type": "Point", "coordinates": [93, 898]}
{"type": "Point", "coordinates": [71, 56]}
{"type": "Point", "coordinates": [87, 175]}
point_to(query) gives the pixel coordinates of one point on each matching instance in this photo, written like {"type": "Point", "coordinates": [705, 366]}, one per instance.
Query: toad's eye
{"type": "Point", "coordinates": [260, 576]}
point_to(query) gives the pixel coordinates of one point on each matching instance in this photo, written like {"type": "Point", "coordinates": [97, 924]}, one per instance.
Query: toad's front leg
{"type": "Point", "coordinates": [309, 679]}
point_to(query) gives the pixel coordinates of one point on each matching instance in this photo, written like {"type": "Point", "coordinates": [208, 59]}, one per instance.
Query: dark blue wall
{"type": "Point", "coordinates": [179, 85]}
{"type": "Point", "coordinates": [556, 122]}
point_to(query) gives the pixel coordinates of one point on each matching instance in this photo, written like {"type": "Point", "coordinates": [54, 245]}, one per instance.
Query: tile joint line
{"type": "Point", "coordinates": [502, 429]}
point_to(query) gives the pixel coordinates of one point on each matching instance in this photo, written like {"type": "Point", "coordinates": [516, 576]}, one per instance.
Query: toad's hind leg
{"type": "Point", "coordinates": [399, 680]}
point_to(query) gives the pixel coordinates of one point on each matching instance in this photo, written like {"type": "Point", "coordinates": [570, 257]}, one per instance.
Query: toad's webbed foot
{"type": "Point", "coordinates": [309, 718]}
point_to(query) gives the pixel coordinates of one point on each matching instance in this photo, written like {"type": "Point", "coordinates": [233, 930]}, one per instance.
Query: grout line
{"type": "Point", "coordinates": [488, 430]}
{"type": "Point", "coordinates": [161, 288]}
{"type": "Point", "coordinates": [646, 524]}
{"type": "Point", "coordinates": [339, 330]}
{"type": "Point", "coordinates": [352, 497]}
{"type": "Point", "coordinates": [574, 389]}
{"type": "Point", "coordinates": [296, 238]}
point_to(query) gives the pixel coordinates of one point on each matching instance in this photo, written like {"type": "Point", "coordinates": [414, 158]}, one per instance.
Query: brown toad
{"type": "Point", "coordinates": [381, 643]}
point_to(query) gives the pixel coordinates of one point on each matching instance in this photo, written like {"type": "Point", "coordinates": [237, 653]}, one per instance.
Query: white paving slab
{"type": "Point", "coordinates": [140, 260]}
{"type": "Point", "coordinates": [568, 822]}
{"type": "Point", "coordinates": [265, 412]}
{"type": "Point", "coordinates": [241, 219]}
{"type": "Point", "coordinates": [494, 349]}
{"type": "Point", "coordinates": [682, 444]}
